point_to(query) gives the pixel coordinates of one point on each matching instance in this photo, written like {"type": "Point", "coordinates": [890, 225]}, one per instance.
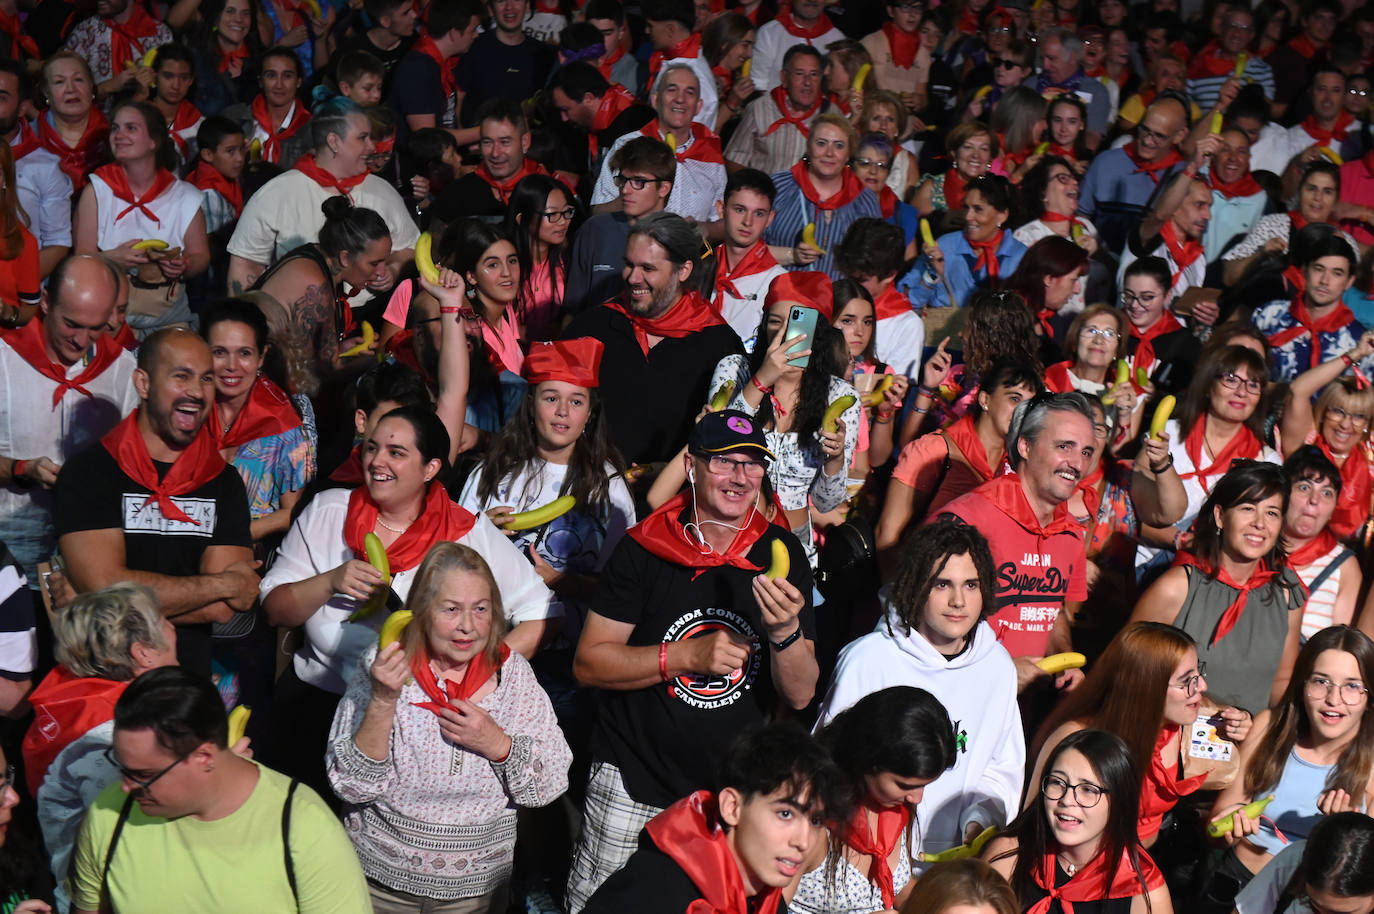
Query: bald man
{"type": "Point", "coordinates": [154, 503]}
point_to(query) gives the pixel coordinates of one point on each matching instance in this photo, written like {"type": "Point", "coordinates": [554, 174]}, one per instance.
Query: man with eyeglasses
{"type": "Point", "coordinates": [1215, 64]}
{"type": "Point", "coordinates": [689, 642]}
{"type": "Point", "coordinates": [1329, 570]}
{"type": "Point", "coordinates": [1316, 326]}
{"type": "Point", "coordinates": [772, 132]}
{"type": "Point", "coordinates": [192, 826]}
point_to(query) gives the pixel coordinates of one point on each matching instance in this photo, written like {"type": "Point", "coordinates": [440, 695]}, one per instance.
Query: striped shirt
{"type": "Point", "coordinates": [1206, 89]}
{"type": "Point", "coordinates": [1319, 611]}
{"type": "Point", "coordinates": [792, 211]}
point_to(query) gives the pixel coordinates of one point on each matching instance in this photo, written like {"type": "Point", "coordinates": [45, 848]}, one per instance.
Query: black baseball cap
{"type": "Point", "coordinates": [728, 431]}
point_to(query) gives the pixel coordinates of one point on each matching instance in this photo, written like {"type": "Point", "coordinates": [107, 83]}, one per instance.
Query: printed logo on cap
{"type": "Point", "coordinates": [740, 424]}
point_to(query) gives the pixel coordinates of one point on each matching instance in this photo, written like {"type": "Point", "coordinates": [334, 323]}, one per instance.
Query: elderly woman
{"type": "Point", "coordinates": [439, 738]}
{"type": "Point", "coordinates": [972, 147]}
{"type": "Point", "coordinates": [873, 165]}
{"type": "Point", "coordinates": [103, 640]}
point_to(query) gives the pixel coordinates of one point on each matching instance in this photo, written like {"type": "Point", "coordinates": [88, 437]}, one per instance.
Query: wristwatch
{"type": "Point", "coordinates": [787, 642]}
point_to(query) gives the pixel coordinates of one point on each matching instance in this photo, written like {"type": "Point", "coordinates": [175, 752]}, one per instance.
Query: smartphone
{"type": "Point", "coordinates": [801, 321]}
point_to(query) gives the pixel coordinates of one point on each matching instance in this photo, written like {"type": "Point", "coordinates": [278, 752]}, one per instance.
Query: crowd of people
{"type": "Point", "coordinates": [730, 456]}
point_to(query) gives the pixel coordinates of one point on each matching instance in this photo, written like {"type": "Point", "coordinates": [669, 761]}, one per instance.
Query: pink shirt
{"type": "Point", "coordinates": [1357, 186]}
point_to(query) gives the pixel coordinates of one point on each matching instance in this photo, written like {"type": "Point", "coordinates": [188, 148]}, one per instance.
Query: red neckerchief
{"type": "Point", "coordinates": [27, 342]}
{"type": "Point", "coordinates": [963, 434]}
{"type": "Point", "coordinates": [307, 166]}
{"type": "Point", "coordinates": [1183, 253]}
{"type": "Point", "coordinates": [1091, 883]}
{"type": "Point", "coordinates": [1057, 378]}
{"type": "Point", "coordinates": [425, 45]}
{"type": "Point", "coordinates": [954, 190]}
{"type": "Point", "coordinates": [1045, 316]}
{"type": "Point", "coordinates": [1144, 355]}
{"type": "Point", "coordinates": [967, 23]}
{"type": "Point", "coordinates": [689, 48]}
{"type": "Point", "coordinates": [1050, 218]}
{"type": "Point", "coordinates": [891, 303]}
{"type": "Point", "coordinates": [266, 412]}
{"type": "Point", "coordinates": [691, 834]}
{"type": "Point", "coordinates": [705, 145]}
{"type": "Point", "coordinates": [663, 534]}
{"type": "Point", "coordinates": [1339, 317]}
{"type": "Point", "coordinates": [613, 104]}
{"type": "Point", "coordinates": [76, 161]}
{"type": "Point", "coordinates": [607, 62]}
{"type": "Point", "coordinates": [807, 33]}
{"type": "Point", "coordinates": [800, 121]}
{"type": "Point", "coordinates": [1298, 219]}
{"type": "Point", "coordinates": [1316, 547]}
{"type": "Point", "coordinates": [848, 192]}
{"type": "Point", "coordinates": [440, 520]}
{"type": "Point", "coordinates": [1323, 136]}
{"type": "Point", "coordinates": [65, 706]}
{"type": "Point", "coordinates": [755, 260]}
{"type": "Point", "coordinates": [1208, 62]}
{"type": "Point", "coordinates": [892, 821]}
{"type": "Point", "coordinates": [124, 338]}
{"type": "Point", "coordinates": [296, 117]}
{"type": "Point", "coordinates": [28, 141]}
{"type": "Point", "coordinates": [1066, 152]}
{"type": "Point", "coordinates": [20, 43]}
{"type": "Point", "coordinates": [1153, 169]}
{"type": "Point", "coordinates": [193, 468]}
{"type": "Point", "coordinates": [1242, 446]}
{"type": "Point", "coordinates": [1162, 787]}
{"type": "Point", "coordinates": [1304, 46]}
{"type": "Point", "coordinates": [987, 253]}
{"type": "Point", "coordinates": [1296, 280]}
{"type": "Point", "coordinates": [479, 670]}
{"type": "Point", "coordinates": [690, 314]}
{"type": "Point", "coordinates": [1245, 186]}
{"type": "Point", "coordinates": [350, 472]}
{"type": "Point", "coordinates": [227, 58]}
{"type": "Point", "coordinates": [504, 187]}
{"type": "Point", "coordinates": [1357, 481]}
{"type": "Point", "coordinates": [1092, 498]}
{"type": "Point", "coordinates": [186, 117]}
{"type": "Point", "coordinates": [887, 201]}
{"type": "Point", "coordinates": [115, 178]}
{"type": "Point", "coordinates": [206, 177]}
{"type": "Point", "coordinates": [904, 46]}
{"type": "Point", "coordinates": [724, 78]}
{"type": "Point", "coordinates": [129, 40]}
{"type": "Point", "coordinates": [1007, 494]}
{"type": "Point", "coordinates": [1262, 575]}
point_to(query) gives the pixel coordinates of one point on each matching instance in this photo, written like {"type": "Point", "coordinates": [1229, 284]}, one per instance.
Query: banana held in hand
{"type": "Point", "coordinates": [834, 411]}
{"type": "Point", "coordinates": [963, 850]}
{"type": "Point", "coordinates": [721, 399]}
{"type": "Point", "coordinates": [424, 258]}
{"type": "Point", "coordinates": [1331, 155]}
{"type": "Point", "coordinates": [1058, 663]}
{"type": "Point", "coordinates": [744, 70]}
{"type": "Point", "coordinates": [255, 150]}
{"type": "Point", "coordinates": [1162, 414]}
{"type": "Point", "coordinates": [528, 520]}
{"type": "Point", "coordinates": [151, 244]}
{"type": "Point", "coordinates": [809, 236]}
{"type": "Point", "coordinates": [1216, 122]}
{"type": "Point", "coordinates": [926, 236]}
{"type": "Point", "coordinates": [1252, 811]}
{"type": "Point", "coordinates": [392, 628]}
{"type": "Point", "coordinates": [238, 723]}
{"type": "Point", "coordinates": [149, 59]}
{"type": "Point", "coordinates": [876, 395]}
{"type": "Point", "coordinates": [782, 561]}
{"type": "Point", "coordinates": [1142, 377]}
{"type": "Point", "coordinates": [369, 337]}
{"type": "Point", "coordinates": [861, 77]}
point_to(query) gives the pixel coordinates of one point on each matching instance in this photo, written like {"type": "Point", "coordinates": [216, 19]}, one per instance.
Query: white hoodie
{"type": "Point", "coordinates": [978, 690]}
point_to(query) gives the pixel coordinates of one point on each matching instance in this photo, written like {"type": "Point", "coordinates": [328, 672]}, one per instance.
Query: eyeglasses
{"type": "Point", "coordinates": [1130, 298]}
{"type": "Point", "coordinates": [1319, 687]}
{"type": "Point", "coordinates": [1006, 64]}
{"type": "Point", "coordinates": [1338, 415]}
{"type": "Point", "coordinates": [1106, 334]}
{"type": "Point", "coordinates": [1232, 381]}
{"type": "Point", "coordinates": [1362, 93]}
{"type": "Point", "coordinates": [1101, 430]}
{"type": "Point", "coordinates": [635, 181]}
{"type": "Point", "coordinates": [999, 30]}
{"type": "Point", "coordinates": [1240, 26]}
{"type": "Point", "coordinates": [876, 163]}
{"type": "Point", "coordinates": [1191, 684]}
{"type": "Point", "coordinates": [1145, 133]}
{"type": "Point", "coordinates": [556, 216]}
{"type": "Point", "coordinates": [724, 466]}
{"type": "Point", "coordinates": [1085, 794]}
{"type": "Point", "coordinates": [142, 784]}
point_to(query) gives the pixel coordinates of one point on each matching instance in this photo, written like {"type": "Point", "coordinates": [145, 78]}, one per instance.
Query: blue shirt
{"type": "Point", "coordinates": [1114, 194]}
{"type": "Point", "coordinates": [1231, 217]}
{"type": "Point", "coordinates": [1293, 357]}
{"type": "Point", "coordinates": [792, 211]}
{"type": "Point", "coordinates": [923, 286]}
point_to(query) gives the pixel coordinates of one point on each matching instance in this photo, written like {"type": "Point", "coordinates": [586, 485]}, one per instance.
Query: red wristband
{"type": "Point", "coordinates": [17, 468]}
{"type": "Point", "coordinates": [753, 379]}
{"type": "Point", "coordinates": [663, 661]}
{"type": "Point", "coordinates": [449, 309]}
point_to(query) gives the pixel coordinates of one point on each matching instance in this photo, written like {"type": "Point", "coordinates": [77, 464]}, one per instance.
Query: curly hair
{"type": "Point", "coordinates": [923, 560]}
{"type": "Point", "coordinates": [999, 325]}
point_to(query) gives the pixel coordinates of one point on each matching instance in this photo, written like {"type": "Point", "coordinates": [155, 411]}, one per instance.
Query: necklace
{"type": "Point", "coordinates": [1068, 867]}
{"type": "Point", "coordinates": [384, 524]}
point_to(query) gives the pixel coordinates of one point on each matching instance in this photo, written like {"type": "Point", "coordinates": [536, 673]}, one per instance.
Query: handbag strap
{"type": "Point", "coordinates": [939, 480]}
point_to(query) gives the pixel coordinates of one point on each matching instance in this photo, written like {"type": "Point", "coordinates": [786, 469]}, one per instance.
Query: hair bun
{"type": "Point", "coordinates": [336, 207]}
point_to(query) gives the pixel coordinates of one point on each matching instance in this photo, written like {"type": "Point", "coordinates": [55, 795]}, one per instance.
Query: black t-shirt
{"type": "Point", "coordinates": [652, 400]}
{"type": "Point", "coordinates": [490, 69]}
{"type": "Point", "coordinates": [93, 493]}
{"type": "Point", "coordinates": [469, 196]}
{"type": "Point", "coordinates": [359, 41]}
{"type": "Point", "coordinates": [667, 739]}
{"type": "Point", "coordinates": [650, 883]}
{"type": "Point", "coordinates": [417, 88]}
{"type": "Point", "coordinates": [1178, 352]}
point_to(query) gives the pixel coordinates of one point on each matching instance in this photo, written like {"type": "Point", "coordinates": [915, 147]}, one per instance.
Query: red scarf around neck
{"type": "Point", "coordinates": [1245, 186]}
{"type": "Point", "coordinates": [1153, 169]}
{"type": "Point", "coordinates": [704, 147]}
{"type": "Point", "coordinates": [904, 46]}
{"type": "Point", "coordinates": [21, 45]}
{"type": "Point", "coordinates": [296, 118]}
{"type": "Point", "coordinates": [1298, 219]}
{"type": "Point", "coordinates": [124, 338]}
{"type": "Point", "coordinates": [1327, 136]}
{"type": "Point", "coordinates": [1091, 882]}
{"type": "Point", "coordinates": [1144, 355]}
{"type": "Point", "coordinates": [115, 177]}
{"type": "Point", "coordinates": [440, 520]}
{"type": "Point", "coordinates": [801, 121]}
{"type": "Point", "coordinates": [266, 412]}
{"type": "Point", "coordinates": [193, 468]}
{"type": "Point", "coordinates": [1007, 494]}
{"type": "Point", "coordinates": [1339, 317]}
{"type": "Point", "coordinates": [755, 260]}
{"type": "Point", "coordinates": [848, 192]}
{"type": "Point", "coordinates": [987, 253]}
{"type": "Point", "coordinates": [425, 45]}
{"type": "Point", "coordinates": [307, 166]}
{"type": "Point", "coordinates": [27, 342]}
{"type": "Point", "coordinates": [807, 33]}
{"type": "Point", "coordinates": [954, 190]}
{"type": "Point", "coordinates": [688, 48]}
{"type": "Point", "coordinates": [28, 141]}
{"type": "Point", "coordinates": [1057, 378]}
{"type": "Point", "coordinates": [207, 177]}
{"type": "Point", "coordinates": [504, 187]}
{"type": "Point", "coordinates": [1357, 482]}
{"type": "Point", "coordinates": [887, 201]}
{"type": "Point", "coordinates": [613, 104]}
{"type": "Point", "coordinates": [891, 303]}
{"type": "Point", "coordinates": [1183, 253]}
{"type": "Point", "coordinates": [1242, 446]}
{"type": "Point", "coordinates": [691, 834]}
{"type": "Point", "coordinates": [1163, 785]}
{"type": "Point", "coordinates": [76, 161]}
{"type": "Point", "coordinates": [664, 534]}
{"type": "Point", "coordinates": [1208, 63]}
{"type": "Point", "coordinates": [1314, 548]}
{"type": "Point", "coordinates": [607, 62]}
{"type": "Point", "coordinates": [892, 821]}
{"type": "Point", "coordinates": [130, 40]}
{"type": "Point", "coordinates": [690, 314]}
{"type": "Point", "coordinates": [963, 434]}
{"type": "Point", "coordinates": [1305, 46]}
{"type": "Point", "coordinates": [187, 116]}
{"type": "Point", "coordinates": [227, 58]}
{"type": "Point", "coordinates": [479, 670]}
{"type": "Point", "coordinates": [1262, 575]}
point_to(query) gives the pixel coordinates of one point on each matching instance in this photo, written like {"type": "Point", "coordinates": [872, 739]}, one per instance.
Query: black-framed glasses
{"type": "Point", "coordinates": [143, 784]}
{"type": "Point", "coordinates": [1130, 298]}
{"type": "Point", "coordinates": [635, 181]}
{"type": "Point", "coordinates": [1191, 684]}
{"type": "Point", "coordinates": [565, 214]}
{"type": "Point", "coordinates": [1232, 381]}
{"type": "Point", "coordinates": [1320, 688]}
{"type": "Point", "coordinates": [1085, 793]}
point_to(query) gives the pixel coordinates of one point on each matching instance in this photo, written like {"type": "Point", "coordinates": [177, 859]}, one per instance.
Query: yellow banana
{"type": "Point", "coordinates": [1058, 663]}
{"type": "Point", "coordinates": [376, 554]}
{"type": "Point", "coordinates": [151, 244]}
{"type": "Point", "coordinates": [861, 77]}
{"type": "Point", "coordinates": [392, 628]}
{"type": "Point", "coordinates": [1252, 811]}
{"type": "Point", "coordinates": [809, 236]}
{"type": "Point", "coordinates": [782, 561]}
{"type": "Point", "coordinates": [1162, 414]}
{"type": "Point", "coordinates": [834, 411]}
{"type": "Point", "coordinates": [1331, 155]}
{"type": "Point", "coordinates": [1240, 65]}
{"type": "Point", "coordinates": [1075, 231]}
{"type": "Point", "coordinates": [1216, 122]}
{"type": "Point", "coordinates": [1123, 374]}
{"type": "Point", "coordinates": [255, 150]}
{"type": "Point", "coordinates": [149, 59]}
{"type": "Point", "coordinates": [926, 236]}
{"type": "Point", "coordinates": [369, 337]}
{"type": "Point", "coordinates": [875, 396]}
{"type": "Point", "coordinates": [424, 258]}
{"type": "Point", "coordinates": [238, 723]}
{"type": "Point", "coordinates": [671, 140]}
{"type": "Point", "coordinates": [1042, 148]}
{"type": "Point", "coordinates": [982, 93]}
{"type": "Point", "coordinates": [527, 520]}
{"type": "Point", "coordinates": [314, 8]}
{"type": "Point", "coordinates": [744, 70]}
{"type": "Point", "coordinates": [721, 399]}
{"type": "Point", "coordinates": [972, 849]}
{"type": "Point", "coordinates": [1142, 377]}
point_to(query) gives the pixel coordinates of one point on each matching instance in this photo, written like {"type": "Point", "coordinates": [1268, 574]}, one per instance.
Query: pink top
{"type": "Point", "coordinates": [503, 341]}
{"type": "Point", "coordinates": [543, 295]}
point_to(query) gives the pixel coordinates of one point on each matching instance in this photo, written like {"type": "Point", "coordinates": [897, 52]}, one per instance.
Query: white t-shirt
{"type": "Point", "coordinates": [743, 313]}
{"type": "Point", "coordinates": [174, 209]}
{"type": "Point", "coordinates": [772, 44]}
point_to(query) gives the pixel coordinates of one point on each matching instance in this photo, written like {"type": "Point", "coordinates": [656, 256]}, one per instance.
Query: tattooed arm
{"type": "Point", "coordinates": [243, 273]}
{"type": "Point", "coordinates": [313, 315]}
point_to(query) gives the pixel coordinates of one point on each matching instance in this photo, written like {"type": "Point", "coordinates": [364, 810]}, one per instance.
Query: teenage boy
{"type": "Point", "coordinates": [173, 77]}
{"type": "Point", "coordinates": [360, 77]}
{"type": "Point", "coordinates": [733, 850]}
{"type": "Point", "coordinates": [221, 150]}
{"type": "Point", "coordinates": [391, 35]}
{"type": "Point", "coordinates": [424, 91]}
{"type": "Point", "coordinates": [871, 255]}
{"type": "Point", "coordinates": [1317, 326]}
{"type": "Point", "coordinates": [503, 61]}
{"type": "Point", "coordinates": [745, 268]}
{"type": "Point", "coordinates": [608, 16]}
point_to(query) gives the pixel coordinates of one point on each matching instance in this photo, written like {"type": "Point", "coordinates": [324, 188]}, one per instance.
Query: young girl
{"type": "Point", "coordinates": [487, 260]}
{"type": "Point", "coordinates": [855, 319]}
